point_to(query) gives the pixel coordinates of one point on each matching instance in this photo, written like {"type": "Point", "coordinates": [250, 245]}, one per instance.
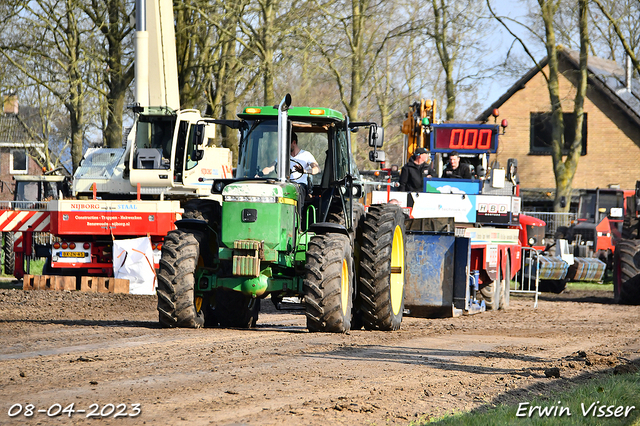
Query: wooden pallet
{"type": "Point", "coordinates": [88, 284]}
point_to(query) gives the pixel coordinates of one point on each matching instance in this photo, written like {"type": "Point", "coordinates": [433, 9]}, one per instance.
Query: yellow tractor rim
{"type": "Point", "coordinates": [344, 286]}
{"type": "Point", "coordinates": [397, 270]}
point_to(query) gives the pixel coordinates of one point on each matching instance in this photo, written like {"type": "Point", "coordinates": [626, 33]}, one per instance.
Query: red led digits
{"type": "Point", "coordinates": [484, 142]}
{"type": "Point", "coordinates": [464, 139]}
{"type": "Point", "coordinates": [455, 141]}
{"type": "Point", "coordinates": [470, 138]}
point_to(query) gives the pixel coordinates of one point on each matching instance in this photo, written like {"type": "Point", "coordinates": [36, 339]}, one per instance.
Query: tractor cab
{"type": "Point", "coordinates": [31, 189]}
{"type": "Point", "coordinates": [265, 158]}
{"type": "Point", "coordinates": [599, 224]}
{"type": "Point", "coordinates": [597, 204]}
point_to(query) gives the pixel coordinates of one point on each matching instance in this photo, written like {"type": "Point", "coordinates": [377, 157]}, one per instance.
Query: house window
{"type": "Point", "coordinates": [19, 165]}
{"type": "Point", "coordinates": [540, 142]}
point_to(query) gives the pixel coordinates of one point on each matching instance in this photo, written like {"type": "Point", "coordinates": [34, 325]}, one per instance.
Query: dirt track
{"type": "Point", "coordinates": [63, 348]}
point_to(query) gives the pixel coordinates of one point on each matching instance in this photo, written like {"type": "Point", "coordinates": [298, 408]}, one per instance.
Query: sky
{"type": "Point", "coordinates": [516, 10]}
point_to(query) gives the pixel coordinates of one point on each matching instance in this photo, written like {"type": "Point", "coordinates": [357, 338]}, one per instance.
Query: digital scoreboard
{"type": "Point", "coordinates": [464, 138]}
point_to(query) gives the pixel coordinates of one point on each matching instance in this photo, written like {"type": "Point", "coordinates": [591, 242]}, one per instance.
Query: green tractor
{"type": "Point", "coordinates": [278, 235]}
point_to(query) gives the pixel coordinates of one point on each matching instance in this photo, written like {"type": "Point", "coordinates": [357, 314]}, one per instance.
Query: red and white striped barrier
{"type": "Point", "coordinates": [21, 221]}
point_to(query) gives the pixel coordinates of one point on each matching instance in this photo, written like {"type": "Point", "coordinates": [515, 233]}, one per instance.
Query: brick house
{"type": "Point", "coordinates": [16, 150]}
{"type": "Point", "coordinates": [611, 134]}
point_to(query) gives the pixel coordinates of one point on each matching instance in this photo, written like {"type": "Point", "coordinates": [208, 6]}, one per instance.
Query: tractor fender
{"type": "Point", "coordinates": [196, 224]}
{"type": "Point", "coordinates": [326, 227]}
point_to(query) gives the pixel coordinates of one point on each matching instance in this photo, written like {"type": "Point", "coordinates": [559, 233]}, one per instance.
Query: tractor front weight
{"type": "Point", "coordinates": [256, 286]}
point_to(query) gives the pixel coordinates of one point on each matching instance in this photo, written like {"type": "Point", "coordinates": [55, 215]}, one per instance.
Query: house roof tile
{"type": "Point", "coordinates": [605, 75]}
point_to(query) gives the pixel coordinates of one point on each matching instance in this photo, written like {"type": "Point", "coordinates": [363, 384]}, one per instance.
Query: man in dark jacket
{"type": "Point", "coordinates": [455, 169]}
{"type": "Point", "coordinates": [413, 173]}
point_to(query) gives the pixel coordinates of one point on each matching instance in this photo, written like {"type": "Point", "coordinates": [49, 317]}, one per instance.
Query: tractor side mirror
{"type": "Point", "coordinates": [197, 155]}
{"type": "Point", "coordinates": [199, 136]}
{"type": "Point", "coordinates": [377, 156]}
{"type": "Point", "coordinates": [376, 136]}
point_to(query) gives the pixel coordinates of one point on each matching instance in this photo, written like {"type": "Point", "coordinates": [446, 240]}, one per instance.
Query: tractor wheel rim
{"type": "Point", "coordinates": [344, 286]}
{"type": "Point", "coordinates": [397, 267]}
{"type": "Point", "coordinates": [198, 303]}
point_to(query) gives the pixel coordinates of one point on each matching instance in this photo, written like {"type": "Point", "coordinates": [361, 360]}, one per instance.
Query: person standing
{"type": "Point", "coordinates": [413, 173]}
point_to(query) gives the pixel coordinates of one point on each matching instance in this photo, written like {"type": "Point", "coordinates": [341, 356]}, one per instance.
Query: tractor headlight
{"type": "Point", "coordinates": [532, 241]}
{"type": "Point", "coordinates": [250, 199]}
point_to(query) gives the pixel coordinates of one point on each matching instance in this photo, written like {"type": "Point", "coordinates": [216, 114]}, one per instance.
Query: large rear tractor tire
{"type": "Point", "coordinates": [382, 268]}
{"type": "Point", "coordinates": [328, 283]}
{"type": "Point", "coordinates": [176, 279]}
{"type": "Point", "coordinates": [626, 278]}
{"type": "Point", "coordinates": [505, 285]}
{"type": "Point", "coordinates": [9, 253]}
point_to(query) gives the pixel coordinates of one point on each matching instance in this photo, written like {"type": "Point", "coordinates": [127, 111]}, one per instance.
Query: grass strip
{"type": "Point", "coordinates": [612, 400]}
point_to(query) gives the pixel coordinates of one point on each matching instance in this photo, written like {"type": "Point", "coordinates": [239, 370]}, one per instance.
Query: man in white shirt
{"type": "Point", "coordinates": [302, 162]}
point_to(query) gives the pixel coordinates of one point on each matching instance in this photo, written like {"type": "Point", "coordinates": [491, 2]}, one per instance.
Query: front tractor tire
{"type": "Point", "coordinates": [382, 268]}
{"type": "Point", "coordinates": [176, 279]}
{"type": "Point", "coordinates": [626, 272]}
{"type": "Point", "coordinates": [234, 309]}
{"type": "Point", "coordinates": [328, 283]}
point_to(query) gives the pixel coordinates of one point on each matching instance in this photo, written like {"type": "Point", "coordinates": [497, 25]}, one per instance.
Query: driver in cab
{"type": "Point", "coordinates": [455, 169]}
{"type": "Point", "coordinates": [302, 162]}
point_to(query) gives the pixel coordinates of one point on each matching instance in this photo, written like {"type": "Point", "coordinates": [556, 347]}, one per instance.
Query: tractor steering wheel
{"type": "Point", "coordinates": [294, 169]}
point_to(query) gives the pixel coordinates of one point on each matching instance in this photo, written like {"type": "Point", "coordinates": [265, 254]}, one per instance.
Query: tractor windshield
{"type": "Point", "coordinates": [595, 206]}
{"type": "Point", "coordinates": [258, 150]}
{"type": "Point", "coordinates": [154, 139]}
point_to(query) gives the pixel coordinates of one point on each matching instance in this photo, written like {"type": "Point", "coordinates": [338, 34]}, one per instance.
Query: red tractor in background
{"type": "Point", "coordinates": [599, 224]}
{"type": "Point", "coordinates": [588, 245]}
{"type": "Point", "coordinates": [532, 232]}
{"type": "Point", "coordinates": [626, 259]}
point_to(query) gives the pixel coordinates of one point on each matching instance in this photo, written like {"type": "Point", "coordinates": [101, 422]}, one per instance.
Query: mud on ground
{"type": "Point", "coordinates": [83, 348]}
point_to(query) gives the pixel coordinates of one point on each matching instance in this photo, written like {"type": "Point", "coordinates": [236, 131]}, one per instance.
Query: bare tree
{"type": "Point", "coordinates": [112, 53]}
{"type": "Point", "coordinates": [351, 38]}
{"type": "Point", "coordinates": [624, 24]}
{"type": "Point", "coordinates": [458, 31]}
{"type": "Point", "coordinates": [564, 165]}
{"type": "Point", "coordinates": [51, 55]}
{"type": "Point", "coordinates": [216, 63]}
{"type": "Point", "coordinates": [46, 125]}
